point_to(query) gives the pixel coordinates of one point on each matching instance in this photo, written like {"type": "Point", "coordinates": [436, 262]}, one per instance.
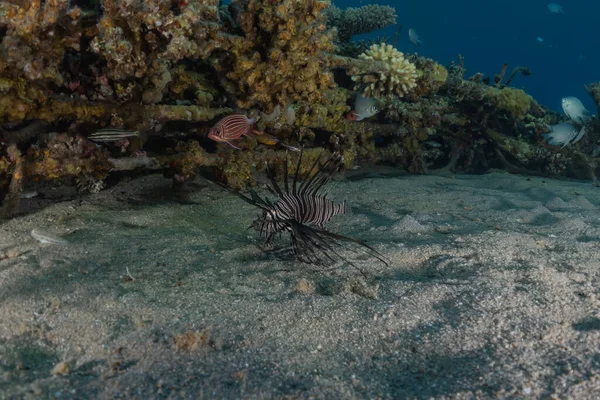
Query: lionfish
{"type": "Point", "coordinates": [302, 209]}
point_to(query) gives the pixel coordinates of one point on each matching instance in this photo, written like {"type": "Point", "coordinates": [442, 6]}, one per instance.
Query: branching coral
{"type": "Point", "coordinates": [356, 21]}
{"type": "Point", "coordinates": [398, 78]}
{"type": "Point", "coordinates": [277, 59]}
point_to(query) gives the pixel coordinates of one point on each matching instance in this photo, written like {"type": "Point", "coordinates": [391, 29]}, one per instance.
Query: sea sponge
{"type": "Point", "coordinates": [398, 75]}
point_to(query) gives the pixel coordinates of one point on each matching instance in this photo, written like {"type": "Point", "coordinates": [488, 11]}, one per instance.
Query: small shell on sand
{"type": "Point", "coordinates": [46, 238]}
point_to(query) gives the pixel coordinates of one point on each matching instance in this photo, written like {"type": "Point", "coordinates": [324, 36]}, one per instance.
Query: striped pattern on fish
{"type": "Point", "coordinates": [301, 210]}
{"type": "Point", "coordinates": [232, 127]}
{"type": "Point", "coordinates": [303, 207]}
{"type": "Point", "coordinates": [111, 135]}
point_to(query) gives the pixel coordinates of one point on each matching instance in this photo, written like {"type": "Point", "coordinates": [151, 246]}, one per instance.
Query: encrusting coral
{"type": "Point", "coordinates": [431, 76]}
{"type": "Point", "coordinates": [514, 101]}
{"type": "Point", "coordinates": [277, 58]}
{"type": "Point", "coordinates": [133, 34]}
{"type": "Point", "coordinates": [398, 79]}
{"type": "Point", "coordinates": [32, 46]}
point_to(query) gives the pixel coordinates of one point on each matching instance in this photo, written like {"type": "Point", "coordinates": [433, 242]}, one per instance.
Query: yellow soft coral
{"type": "Point", "coordinates": [398, 75]}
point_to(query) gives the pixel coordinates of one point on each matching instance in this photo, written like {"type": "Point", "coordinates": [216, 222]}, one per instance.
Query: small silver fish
{"type": "Point", "coordinates": [414, 38]}
{"type": "Point", "coordinates": [28, 195]}
{"type": "Point", "coordinates": [46, 238]}
{"type": "Point", "coordinates": [564, 133]}
{"type": "Point", "coordinates": [364, 107]}
{"type": "Point", "coordinates": [111, 135]}
{"type": "Point", "coordinates": [575, 110]}
{"type": "Point", "coordinates": [432, 143]}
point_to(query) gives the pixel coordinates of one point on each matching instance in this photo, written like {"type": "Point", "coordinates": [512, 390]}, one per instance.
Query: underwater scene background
{"type": "Point", "coordinates": [494, 32]}
{"type": "Point", "coordinates": [299, 199]}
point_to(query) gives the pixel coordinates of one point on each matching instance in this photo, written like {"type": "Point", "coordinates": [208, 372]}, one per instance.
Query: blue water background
{"type": "Point", "coordinates": [492, 32]}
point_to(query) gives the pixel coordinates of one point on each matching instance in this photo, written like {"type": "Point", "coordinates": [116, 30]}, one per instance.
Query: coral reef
{"type": "Point", "coordinates": [37, 37]}
{"type": "Point", "coordinates": [172, 69]}
{"type": "Point", "coordinates": [356, 21]}
{"type": "Point", "coordinates": [398, 78]}
{"type": "Point", "coordinates": [136, 37]}
{"type": "Point", "coordinates": [276, 60]}
{"type": "Point", "coordinates": [431, 76]}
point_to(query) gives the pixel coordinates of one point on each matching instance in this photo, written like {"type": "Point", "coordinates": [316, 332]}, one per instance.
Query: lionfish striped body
{"type": "Point", "coordinates": [302, 210]}
{"type": "Point", "coordinates": [303, 204]}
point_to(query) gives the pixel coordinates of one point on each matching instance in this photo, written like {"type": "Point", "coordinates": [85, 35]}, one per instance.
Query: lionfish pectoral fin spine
{"type": "Point", "coordinates": [255, 200]}
{"type": "Point", "coordinates": [286, 184]}
{"type": "Point", "coordinates": [294, 187]}
{"type": "Point", "coordinates": [372, 251]}
{"type": "Point", "coordinates": [310, 176]}
{"type": "Point", "coordinates": [275, 186]}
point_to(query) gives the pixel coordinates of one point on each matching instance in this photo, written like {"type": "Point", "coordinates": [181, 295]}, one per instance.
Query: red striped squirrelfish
{"type": "Point", "coordinates": [233, 127]}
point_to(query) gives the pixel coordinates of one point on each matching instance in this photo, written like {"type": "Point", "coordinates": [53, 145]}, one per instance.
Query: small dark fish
{"type": "Point", "coordinates": [302, 211]}
{"type": "Point", "coordinates": [272, 140]}
{"type": "Point", "coordinates": [112, 135]}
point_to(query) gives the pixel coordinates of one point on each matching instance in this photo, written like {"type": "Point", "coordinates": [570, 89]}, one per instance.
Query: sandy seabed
{"type": "Point", "coordinates": [492, 292]}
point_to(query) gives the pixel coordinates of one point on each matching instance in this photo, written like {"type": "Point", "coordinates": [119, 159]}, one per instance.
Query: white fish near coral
{"type": "Point", "coordinates": [575, 110]}
{"type": "Point", "coordinates": [414, 37]}
{"type": "Point", "coordinates": [47, 238]}
{"type": "Point", "coordinates": [564, 133]}
{"type": "Point", "coordinates": [290, 115]}
{"type": "Point", "coordinates": [555, 8]}
{"type": "Point", "coordinates": [364, 107]}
